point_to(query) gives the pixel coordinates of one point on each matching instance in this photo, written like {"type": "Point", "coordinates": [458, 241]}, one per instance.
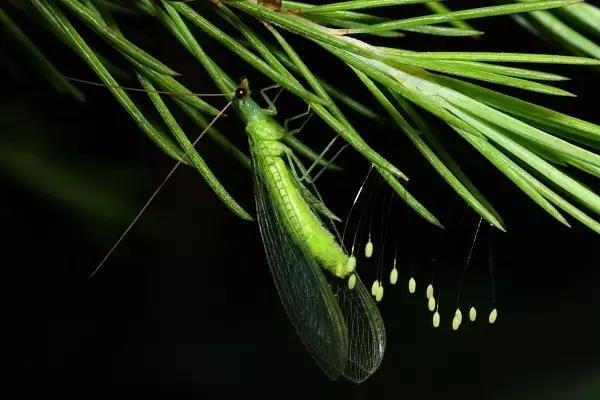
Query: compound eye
{"type": "Point", "coordinates": [240, 93]}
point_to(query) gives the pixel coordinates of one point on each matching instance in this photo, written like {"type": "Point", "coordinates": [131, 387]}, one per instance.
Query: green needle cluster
{"type": "Point", "coordinates": [534, 146]}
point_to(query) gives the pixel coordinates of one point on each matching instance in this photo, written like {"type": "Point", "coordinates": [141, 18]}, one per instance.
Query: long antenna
{"type": "Point", "coordinates": [162, 183]}
{"type": "Point", "coordinates": [134, 89]}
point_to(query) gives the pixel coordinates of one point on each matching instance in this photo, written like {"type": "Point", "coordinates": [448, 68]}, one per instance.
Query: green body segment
{"type": "Point", "coordinates": [301, 220]}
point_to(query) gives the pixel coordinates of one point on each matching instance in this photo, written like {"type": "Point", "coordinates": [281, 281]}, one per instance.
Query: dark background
{"type": "Point", "coordinates": [187, 299]}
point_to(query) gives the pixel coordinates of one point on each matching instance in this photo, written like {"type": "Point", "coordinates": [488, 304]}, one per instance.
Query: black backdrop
{"type": "Point", "coordinates": [187, 299]}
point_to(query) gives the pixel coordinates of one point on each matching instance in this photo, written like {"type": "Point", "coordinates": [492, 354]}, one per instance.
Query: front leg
{"type": "Point", "coordinates": [272, 110]}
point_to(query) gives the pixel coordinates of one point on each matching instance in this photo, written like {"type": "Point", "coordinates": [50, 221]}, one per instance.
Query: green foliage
{"type": "Point", "coordinates": [575, 27]}
{"type": "Point", "coordinates": [531, 145]}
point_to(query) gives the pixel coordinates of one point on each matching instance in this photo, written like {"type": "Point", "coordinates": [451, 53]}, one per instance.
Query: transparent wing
{"type": "Point", "coordinates": [342, 328]}
{"type": "Point", "coordinates": [366, 341]}
{"type": "Point", "coordinates": [304, 292]}
{"type": "Point", "coordinates": [364, 323]}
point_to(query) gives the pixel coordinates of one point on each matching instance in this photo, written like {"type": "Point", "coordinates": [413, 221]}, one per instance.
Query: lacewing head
{"type": "Point", "coordinates": [243, 89]}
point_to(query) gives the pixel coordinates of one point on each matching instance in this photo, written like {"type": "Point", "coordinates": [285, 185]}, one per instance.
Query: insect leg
{"type": "Point", "coordinates": [314, 198]}
{"type": "Point", "coordinates": [308, 113]}
{"type": "Point", "coordinates": [293, 159]}
{"type": "Point", "coordinates": [322, 156]}
{"type": "Point", "coordinates": [272, 110]}
{"type": "Point", "coordinates": [336, 155]}
{"type": "Point", "coordinates": [293, 162]}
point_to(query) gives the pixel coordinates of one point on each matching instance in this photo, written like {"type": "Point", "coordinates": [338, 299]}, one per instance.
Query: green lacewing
{"type": "Point", "coordinates": [339, 324]}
